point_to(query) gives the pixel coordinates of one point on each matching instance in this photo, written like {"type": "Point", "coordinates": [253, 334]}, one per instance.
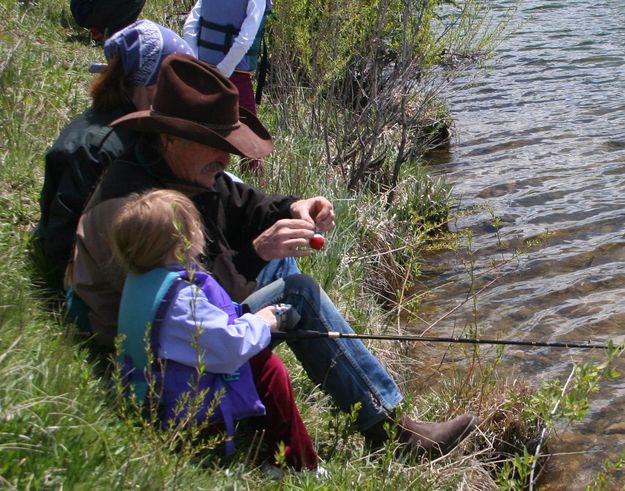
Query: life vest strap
{"type": "Point", "coordinates": [230, 32]}
{"type": "Point", "coordinates": [227, 29]}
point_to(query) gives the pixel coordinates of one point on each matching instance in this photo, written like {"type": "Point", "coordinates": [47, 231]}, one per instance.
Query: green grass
{"type": "Point", "coordinates": [61, 425]}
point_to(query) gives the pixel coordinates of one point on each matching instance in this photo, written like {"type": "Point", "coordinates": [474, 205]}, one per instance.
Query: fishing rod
{"type": "Point", "coordinates": [301, 335]}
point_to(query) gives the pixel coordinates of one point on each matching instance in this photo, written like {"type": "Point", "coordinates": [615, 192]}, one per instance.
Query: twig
{"type": "Point", "coordinates": [10, 348]}
{"type": "Point", "coordinates": [543, 434]}
{"type": "Point", "coordinates": [448, 313]}
{"type": "Point", "coordinates": [8, 57]}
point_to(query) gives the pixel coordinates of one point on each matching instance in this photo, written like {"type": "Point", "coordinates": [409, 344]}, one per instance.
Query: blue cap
{"type": "Point", "coordinates": [142, 47]}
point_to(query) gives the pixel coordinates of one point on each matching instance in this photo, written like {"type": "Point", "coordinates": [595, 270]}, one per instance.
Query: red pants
{"type": "Point", "coordinates": [243, 82]}
{"type": "Point", "coordinates": [282, 422]}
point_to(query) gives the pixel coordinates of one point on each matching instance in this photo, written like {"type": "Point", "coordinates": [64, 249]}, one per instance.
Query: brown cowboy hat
{"type": "Point", "coordinates": [196, 102]}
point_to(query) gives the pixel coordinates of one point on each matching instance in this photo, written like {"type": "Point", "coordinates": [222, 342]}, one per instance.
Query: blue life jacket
{"type": "Point", "coordinates": [220, 23]}
{"type": "Point", "coordinates": [146, 299]}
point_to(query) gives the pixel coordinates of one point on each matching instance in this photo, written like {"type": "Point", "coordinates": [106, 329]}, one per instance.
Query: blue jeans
{"type": "Point", "coordinates": [344, 368]}
{"type": "Point", "coordinates": [275, 269]}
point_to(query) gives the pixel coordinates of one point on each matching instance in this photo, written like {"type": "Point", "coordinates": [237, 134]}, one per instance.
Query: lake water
{"type": "Point", "coordinates": [540, 141]}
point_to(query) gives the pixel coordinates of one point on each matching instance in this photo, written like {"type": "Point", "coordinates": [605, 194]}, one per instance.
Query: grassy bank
{"type": "Point", "coordinates": [60, 426]}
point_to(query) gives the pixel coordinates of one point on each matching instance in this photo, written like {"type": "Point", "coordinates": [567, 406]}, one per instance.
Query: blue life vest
{"type": "Point", "coordinates": [141, 298]}
{"type": "Point", "coordinates": [220, 23]}
{"type": "Point", "coordinates": [146, 299]}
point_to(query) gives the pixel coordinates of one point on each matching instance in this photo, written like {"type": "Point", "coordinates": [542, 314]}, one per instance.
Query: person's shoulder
{"type": "Point", "coordinates": [91, 128]}
{"type": "Point", "coordinates": [126, 176]}
{"type": "Point", "coordinates": [103, 118]}
{"type": "Point", "coordinates": [92, 119]}
{"type": "Point", "coordinates": [188, 291]}
{"type": "Point", "coordinates": [198, 277]}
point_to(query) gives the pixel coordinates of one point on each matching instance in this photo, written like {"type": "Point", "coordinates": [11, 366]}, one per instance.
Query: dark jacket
{"type": "Point", "coordinates": [73, 166]}
{"type": "Point", "coordinates": [234, 214]}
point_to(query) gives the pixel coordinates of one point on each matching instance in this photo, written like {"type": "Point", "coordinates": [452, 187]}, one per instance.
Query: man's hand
{"type": "Point", "coordinates": [318, 211]}
{"type": "Point", "coordinates": [286, 237]}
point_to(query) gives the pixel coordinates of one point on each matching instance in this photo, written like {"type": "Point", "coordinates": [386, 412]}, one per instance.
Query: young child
{"type": "Point", "coordinates": [157, 236]}
{"type": "Point", "coordinates": [226, 33]}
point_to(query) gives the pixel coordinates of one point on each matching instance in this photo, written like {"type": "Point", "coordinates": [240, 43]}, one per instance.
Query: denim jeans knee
{"type": "Point", "coordinates": [276, 269]}
{"type": "Point", "coordinates": [344, 368]}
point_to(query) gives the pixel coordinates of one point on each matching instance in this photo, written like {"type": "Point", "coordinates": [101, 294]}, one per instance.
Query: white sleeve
{"type": "Point", "coordinates": [243, 42]}
{"type": "Point", "coordinates": [224, 347]}
{"type": "Point", "coordinates": [191, 29]}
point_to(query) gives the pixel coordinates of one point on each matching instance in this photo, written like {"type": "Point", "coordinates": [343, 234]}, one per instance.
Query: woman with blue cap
{"type": "Point", "coordinates": [88, 144]}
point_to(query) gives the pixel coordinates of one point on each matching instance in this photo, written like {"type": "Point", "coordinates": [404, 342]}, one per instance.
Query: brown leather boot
{"type": "Point", "coordinates": [434, 439]}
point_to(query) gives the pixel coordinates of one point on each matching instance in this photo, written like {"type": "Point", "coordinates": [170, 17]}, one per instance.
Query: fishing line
{"type": "Point", "coordinates": [301, 335]}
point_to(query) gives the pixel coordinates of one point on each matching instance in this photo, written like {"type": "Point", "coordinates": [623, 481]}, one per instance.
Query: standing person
{"type": "Point", "coordinates": [158, 236]}
{"type": "Point", "coordinates": [227, 34]}
{"type": "Point", "coordinates": [189, 132]}
{"type": "Point", "coordinates": [87, 145]}
{"type": "Point", "coordinates": [104, 18]}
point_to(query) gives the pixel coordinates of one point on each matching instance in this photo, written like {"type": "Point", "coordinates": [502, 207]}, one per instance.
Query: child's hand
{"type": "Point", "coordinates": [268, 314]}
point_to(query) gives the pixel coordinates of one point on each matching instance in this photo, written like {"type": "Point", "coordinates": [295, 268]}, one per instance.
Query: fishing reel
{"type": "Point", "coordinates": [286, 316]}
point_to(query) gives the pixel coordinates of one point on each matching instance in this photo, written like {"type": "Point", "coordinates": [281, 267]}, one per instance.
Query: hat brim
{"type": "Point", "coordinates": [250, 139]}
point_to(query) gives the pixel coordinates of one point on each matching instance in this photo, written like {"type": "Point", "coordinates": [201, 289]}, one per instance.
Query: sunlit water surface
{"type": "Point", "coordinates": [540, 143]}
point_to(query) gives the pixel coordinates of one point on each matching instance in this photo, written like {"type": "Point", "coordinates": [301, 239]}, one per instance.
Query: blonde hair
{"type": "Point", "coordinates": [154, 227]}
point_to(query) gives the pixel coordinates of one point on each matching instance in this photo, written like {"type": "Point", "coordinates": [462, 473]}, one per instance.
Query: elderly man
{"type": "Point", "coordinates": [195, 123]}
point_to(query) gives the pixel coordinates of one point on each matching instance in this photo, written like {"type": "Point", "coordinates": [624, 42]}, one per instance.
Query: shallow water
{"type": "Point", "coordinates": [540, 141]}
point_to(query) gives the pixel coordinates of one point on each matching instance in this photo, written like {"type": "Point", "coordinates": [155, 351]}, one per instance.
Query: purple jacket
{"type": "Point", "coordinates": [193, 313]}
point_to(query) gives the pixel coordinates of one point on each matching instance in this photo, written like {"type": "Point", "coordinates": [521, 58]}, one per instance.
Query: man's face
{"type": "Point", "coordinates": [192, 161]}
